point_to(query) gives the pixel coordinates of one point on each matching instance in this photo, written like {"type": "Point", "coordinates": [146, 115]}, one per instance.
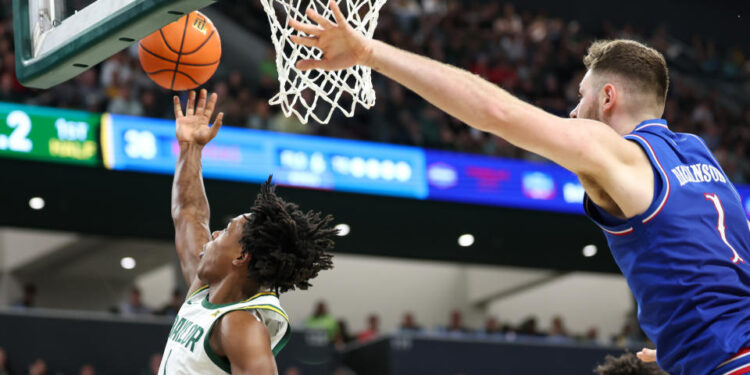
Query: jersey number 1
{"type": "Point", "coordinates": [720, 225]}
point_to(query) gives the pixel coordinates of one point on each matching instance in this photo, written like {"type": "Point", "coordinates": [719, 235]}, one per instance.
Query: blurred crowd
{"type": "Point", "coordinates": [39, 366]}
{"type": "Point", "coordinates": [339, 335]}
{"type": "Point", "coordinates": [341, 338]}
{"type": "Point", "coordinates": [534, 56]}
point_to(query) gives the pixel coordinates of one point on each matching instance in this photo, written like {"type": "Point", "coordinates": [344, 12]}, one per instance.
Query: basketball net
{"type": "Point", "coordinates": [317, 93]}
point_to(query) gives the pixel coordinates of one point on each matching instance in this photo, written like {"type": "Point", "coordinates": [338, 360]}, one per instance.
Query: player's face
{"type": "Point", "coordinates": [587, 107]}
{"type": "Point", "coordinates": [224, 247]}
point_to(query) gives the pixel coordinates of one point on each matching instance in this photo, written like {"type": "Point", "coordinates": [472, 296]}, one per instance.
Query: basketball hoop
{"type": "Point", "coordinates": [318, 93]}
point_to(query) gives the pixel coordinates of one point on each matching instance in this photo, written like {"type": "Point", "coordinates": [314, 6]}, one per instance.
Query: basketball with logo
{"type": "Point", "coordinates": [182, 55]}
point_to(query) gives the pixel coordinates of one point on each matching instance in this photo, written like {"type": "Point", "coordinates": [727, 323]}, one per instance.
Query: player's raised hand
{"type": "Point", "coordinates": [342, 46]}
{"type": "Point", "coordinates": [647, 355]}
{"type": "Point", "coordinates": [193, 126]}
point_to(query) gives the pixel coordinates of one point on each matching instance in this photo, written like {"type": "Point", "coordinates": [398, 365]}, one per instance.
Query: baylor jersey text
{"type": "Point", "coordinates": [188, 350]}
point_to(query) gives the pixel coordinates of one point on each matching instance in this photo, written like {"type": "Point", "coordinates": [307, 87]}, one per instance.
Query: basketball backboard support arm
{"type": "Point", "coordinates": [86, 38]}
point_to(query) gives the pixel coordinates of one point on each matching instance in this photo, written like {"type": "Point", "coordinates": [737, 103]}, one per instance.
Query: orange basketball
{"type": "Point", "coordinates": [182, 55]}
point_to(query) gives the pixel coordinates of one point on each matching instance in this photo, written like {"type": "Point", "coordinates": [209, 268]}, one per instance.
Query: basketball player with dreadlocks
{"type": "Point", "coordinates": [231, 321]}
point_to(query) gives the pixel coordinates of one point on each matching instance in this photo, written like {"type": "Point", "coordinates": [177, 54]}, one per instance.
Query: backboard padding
{"type": "Point", "coordinates": [89, 38]}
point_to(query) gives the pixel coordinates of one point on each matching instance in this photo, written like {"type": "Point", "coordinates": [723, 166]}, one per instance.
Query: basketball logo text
{"type": "Point", "coordinates": [200, 25]}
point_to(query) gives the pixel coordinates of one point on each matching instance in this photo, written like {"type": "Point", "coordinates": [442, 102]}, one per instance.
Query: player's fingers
{"type": "Point", "coordinates": [322, 21]}
{"type": "Point", "coordinates": [211, 105]}
{"type": "Point", "coordinates": [340, 19]}
{"type": "Point", "coordinates": [647, 355]}
{"type": "Point", "coordinates": [309, 64]}
{"type": "Point", "coordinates": [217, 124]}
{"type": "Point", "coordinates": [190, 109]}
{"type": "Point", "coordinates": [305, 27]}
{"type": "Point", "coordinates": [201, 103]}
{"type": "Point", "coordinates": [177, 107]}
{"type": "Point", "coordinates": [305, 41]}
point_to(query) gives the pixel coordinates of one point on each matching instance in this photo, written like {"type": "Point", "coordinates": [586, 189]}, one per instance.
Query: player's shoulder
{"type": "Point", "coordinates": [242, 324]}
{"type": "Point", "coordinates": [241, 332]}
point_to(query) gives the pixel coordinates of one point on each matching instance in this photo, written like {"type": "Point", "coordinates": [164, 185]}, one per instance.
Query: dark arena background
{"type": "Point", "coordinates": [458, 252]}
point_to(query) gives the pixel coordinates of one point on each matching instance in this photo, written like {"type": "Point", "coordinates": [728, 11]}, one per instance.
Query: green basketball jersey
{"type": "Point", "coordinates": [188, 350]}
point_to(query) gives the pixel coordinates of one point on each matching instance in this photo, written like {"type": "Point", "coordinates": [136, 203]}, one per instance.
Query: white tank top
{"type": "Point", "coordinates": [188, 350]}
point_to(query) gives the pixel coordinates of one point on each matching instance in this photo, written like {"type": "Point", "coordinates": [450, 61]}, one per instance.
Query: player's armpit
{"type": "Point", "coordinates": [588, 148]}
{"type": "Point", "coordinates": [245, 342]}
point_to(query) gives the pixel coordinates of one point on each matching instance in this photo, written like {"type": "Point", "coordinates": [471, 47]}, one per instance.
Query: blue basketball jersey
{"type": "Point", "coordinates": [685, 257]}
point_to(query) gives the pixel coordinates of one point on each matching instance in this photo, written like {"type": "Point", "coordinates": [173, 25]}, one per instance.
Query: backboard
{"type": "Point", "coordinates": [55, 40]}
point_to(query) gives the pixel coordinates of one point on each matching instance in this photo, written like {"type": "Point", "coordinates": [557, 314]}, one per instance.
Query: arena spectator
{"type": "Point", "coordinates": [323, 320]}
{"type": "Point", "coordinates": [134, 305]}
{"type": "Point", "coordinates": [529, 327]}
{"type": "Point", "coordinates": [171, 309]}
{"type": "Point", "coordinates": [292, 370]}
{"type": "Point", "coordinates": [372, 330]}
{"type": "Point", "coordinates": [28, 300]}
{"type": "Point", "coordinates": [87, 370]}
{"type": "Point", "coordinates": [409, 324]}
{"type": "Point", "coordinates": [4, 365]}
{"type": "Point", "coordinates": [342, 337]}
{"type": "Point", "coordinates": [492, 326]}
{"type": "Point", "coordinates": [153, 365]}
{"type": "Point", "coordinates": [558, 327]}
{"type": "Point", "coordinates": [456, 323]}
{"type": "Point", "coordinates": [38, 367]}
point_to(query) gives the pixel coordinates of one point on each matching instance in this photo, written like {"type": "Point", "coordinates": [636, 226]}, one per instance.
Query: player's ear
{"type": "Point", "coordinates": [609, 96]}
{"type": "Point", "coordinates": [242, 260]}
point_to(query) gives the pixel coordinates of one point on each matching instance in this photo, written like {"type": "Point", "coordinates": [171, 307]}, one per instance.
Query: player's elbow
{"type": "Point", "coordinates": [180, 213]}
{"type": "Point", "coordinates": [177, 212]}
{"type": "Point", "coordinates": [494, 116]}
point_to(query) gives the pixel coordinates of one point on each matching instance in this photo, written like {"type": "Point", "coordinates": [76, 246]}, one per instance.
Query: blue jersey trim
{"type": "Point", "coordinates": [663, 195]}
{"type": "Point", "coordinates": [619, 227]}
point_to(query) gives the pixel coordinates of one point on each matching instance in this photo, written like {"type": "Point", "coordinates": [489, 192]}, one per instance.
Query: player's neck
{"type": "Point", "coordinates": [232, 288]}
{"type": "Point", "coordinates": [625, 123]}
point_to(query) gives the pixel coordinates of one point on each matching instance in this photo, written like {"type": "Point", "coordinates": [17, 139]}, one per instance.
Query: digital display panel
{"type": "Point", "coordinates": [49, 134]}
{"type": "Point", "coordinates": [149, 145]}
{"type": "Point", "coordinates": [478, 179]}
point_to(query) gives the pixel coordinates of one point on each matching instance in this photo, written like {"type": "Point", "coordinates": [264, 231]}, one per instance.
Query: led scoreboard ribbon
{"type": "Point", "coordinates": [149, 145]}
{"type": "Point", "coordinates": [49, 134]}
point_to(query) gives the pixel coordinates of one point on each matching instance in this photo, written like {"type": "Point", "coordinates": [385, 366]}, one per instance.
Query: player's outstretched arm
{"type": "Point", "coordinates": [190, 211]}
{"type": "Point", "coordinates": [246, 344]}
{"type": "Point", "coordinates": [585, 147]}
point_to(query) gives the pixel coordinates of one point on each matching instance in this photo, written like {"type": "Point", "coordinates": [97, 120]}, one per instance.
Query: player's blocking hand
{"type": "Point", "coordinates": [647, 355]}
{"type": "Point", "coordinates": [193, 126]}
{"type": "Point", "coordinates": [342, 46]}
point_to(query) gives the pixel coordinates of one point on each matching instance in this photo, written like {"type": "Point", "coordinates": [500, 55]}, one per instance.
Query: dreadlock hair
{"type": "Point", "coordinates": [627, 364]}
{"type": "Point", "coordinates": [288, 247]}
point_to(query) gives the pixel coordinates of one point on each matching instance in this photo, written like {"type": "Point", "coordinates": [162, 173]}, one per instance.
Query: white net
{"type": "Point", "coordinates": [318, 93]}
